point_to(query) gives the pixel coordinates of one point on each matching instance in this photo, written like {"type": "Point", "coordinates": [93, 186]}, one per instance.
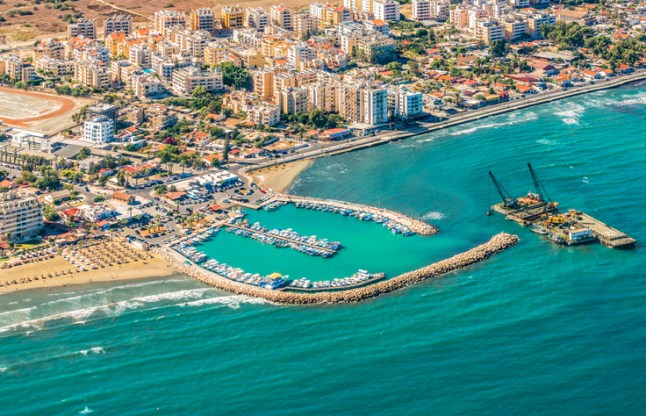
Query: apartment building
{"type": "Point", "coordinates": [233, 17]}
{"type": "Point", "coordinates": [281, 16]}
{"type": "Point", "coordinates": [421, 10]}
{"type": "Point", "coordinates": [375, 106]}
{"type": "Point", "coordinates": [16, 69]}
{"type": "Point", "coordinates": [117, 23]}
{"type": "Point", "coordinates": [164, 20]}
{"type": "Point", "coordinates": [294, 101]}
{"type": "Point", "coordinates": [98, 130]}
{"type": "Point", "coordinates": [21, 217]}
{"type": "Point", "coordinates": [92, 74]}
{"type": "Point", "coordinates": [305, 25]}
{"type": "Point", "coordinates": [201, 19]}
{"type": "Point", "coordinates": [263, 83]}
{"type": "Point", "coordinates": [50, 48]}
{"type": "Point", "coordinates": [82, 27]}
{"type": "Point", "coordinates": [263, 114]}
{"type": "Point", "coordinates": [514, 29]}
{"type": "Point", "coordinates": [56, 67]}
{"type": "Point", "coordinates": [185, 80]}
{"type": "Point", "coordinates": [215, 52]}
{"type": "Point", "coordinates": [386, 10]}
{"type": "Point", "coordinates": [256, 18]}
{"type": "Point", "coordinates": [489, 30]}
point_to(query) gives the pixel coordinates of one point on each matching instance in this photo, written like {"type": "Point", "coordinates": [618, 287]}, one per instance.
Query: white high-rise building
{"type": "Point", "coordinates": [386, 10]}
{"type": "Point", "coordinates": [410, 103]}
{"type": "Point", "coordinates": [421, 10]}
{"type": "Point", "coordinates": [375, 106]}
{"type": "Point", "coordinates": [256, 18]}
{"type": "Point", "coordinates": [98, 130]}
{"type": "Point", "coordinates": [21, 217]}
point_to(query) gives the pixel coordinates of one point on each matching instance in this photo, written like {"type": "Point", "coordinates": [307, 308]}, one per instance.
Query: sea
{"type": "Point", "coordinates": [538, 329]}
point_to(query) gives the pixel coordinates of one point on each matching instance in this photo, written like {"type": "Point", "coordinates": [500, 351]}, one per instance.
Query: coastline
{"type": "Point", "coordinates": [153, 267]}
{"type": "Point", "coordinates": [429, 127]}
{"type": "Point", "coordinates": [279, 178]}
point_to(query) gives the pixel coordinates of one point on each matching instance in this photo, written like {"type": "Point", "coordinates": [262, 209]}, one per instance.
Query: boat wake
{"type": "Point", "coordinates": [95, 350]}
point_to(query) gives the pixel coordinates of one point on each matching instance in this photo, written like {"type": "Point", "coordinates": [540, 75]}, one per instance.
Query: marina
{"type": "Point", "coordinates": [568, 228]}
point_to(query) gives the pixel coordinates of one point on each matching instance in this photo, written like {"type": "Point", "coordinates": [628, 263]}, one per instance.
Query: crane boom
{"type": "Point", "coordinates": [537, 184]}
{"type": "Point", "coordinates": [507, 199]}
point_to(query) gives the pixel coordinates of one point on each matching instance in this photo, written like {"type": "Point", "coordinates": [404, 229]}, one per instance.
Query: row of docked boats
{"type": "Point", "coordinates": [202, 236]}
{"type": "Point", "coordinates": [274, 205]}
{"type": "Point", "coordinates": [311, 245]}
{"type": "Point", "coordinates": [394, 226]}
{"type": "Point", "coordinates": [190, 252]}
{"type": "Point", "coordinates": [359, 278]}
{"type": "Point", "coordinates": [273, 281]}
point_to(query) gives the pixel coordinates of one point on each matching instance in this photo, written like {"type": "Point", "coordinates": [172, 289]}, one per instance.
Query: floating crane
{"type": "Point", "coordinates": [507, 200]}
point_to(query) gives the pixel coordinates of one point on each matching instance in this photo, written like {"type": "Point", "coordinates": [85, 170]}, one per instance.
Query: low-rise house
{"type": "Point", "coordinates": [124, 198]}
{"type": "Point", "coordinates": [57, 197]}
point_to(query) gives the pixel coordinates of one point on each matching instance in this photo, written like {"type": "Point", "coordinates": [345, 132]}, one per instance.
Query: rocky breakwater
{"type": "Point", "coordinates": [416, 226]}
{"type": "Point", "coordinates": [495, 245]}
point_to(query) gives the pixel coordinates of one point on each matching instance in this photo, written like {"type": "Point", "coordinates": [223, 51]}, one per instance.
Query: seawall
{"type": "Point", "coordinates": [416, 226]}
{"type": "Point", "coordinates": [495, 245]}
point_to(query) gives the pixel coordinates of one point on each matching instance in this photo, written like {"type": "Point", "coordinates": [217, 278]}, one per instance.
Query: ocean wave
{"type": "Point", "coordinates": [433, 215]}
{"type": "Point", "coordinates": [3, 369]}
{"type": "Point", "coordinates": [176, 295]}
{"type": "Point", "coordinates": [571, 114]}
{"type": "Point", "coordinates": [639, 99]}
{"type": "Point", "coordinates": [232, 302]}
{"type": "Point", "coordinates": [86, 411]}
{"type": "Point", "coordinates": [512, 119]}
{"type": "Point", "coordinates": [546, 142]}
{"type": "Point", "coordinates": [111, 309]}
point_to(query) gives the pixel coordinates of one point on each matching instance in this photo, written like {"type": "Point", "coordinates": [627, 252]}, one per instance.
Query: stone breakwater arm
{"type": "Point", "coordinates": [495, 245]}
{"type": "Point", "coordinates": [416, 226]}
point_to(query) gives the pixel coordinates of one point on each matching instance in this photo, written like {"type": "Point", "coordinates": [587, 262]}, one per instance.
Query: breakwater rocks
{"type": "Point", "coordinates": [416, 226]}
{"type": "Point", "coordinates": [496, 244]}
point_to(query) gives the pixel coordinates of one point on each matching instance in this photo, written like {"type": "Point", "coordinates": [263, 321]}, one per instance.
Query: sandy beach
{"type": "Point", "coordinates": [152, 265]}
{"type": "Point", "coordinates": [279, 177]}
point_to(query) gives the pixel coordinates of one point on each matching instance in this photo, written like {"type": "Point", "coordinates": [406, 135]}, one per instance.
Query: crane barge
{"type": "Point", "coordinates": [538, 211]}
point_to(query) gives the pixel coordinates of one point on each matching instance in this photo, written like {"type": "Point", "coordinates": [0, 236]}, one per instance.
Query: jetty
{"type": "Point", "coordinates": [566, 228]}
{"type": "Point", "coordinates": [496, 244]}
{"type": "Point", "coordinates": [416, 226]}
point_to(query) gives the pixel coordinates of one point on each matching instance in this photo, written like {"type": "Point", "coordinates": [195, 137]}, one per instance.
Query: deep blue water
{"type": "Point", "coordinates": [538, 329]}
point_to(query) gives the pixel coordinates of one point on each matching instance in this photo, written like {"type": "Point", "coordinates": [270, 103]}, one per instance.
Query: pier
{"type": "Point", "coordinates": [279, 237]}
{"type": "Point", "coordinates": [607, 235]}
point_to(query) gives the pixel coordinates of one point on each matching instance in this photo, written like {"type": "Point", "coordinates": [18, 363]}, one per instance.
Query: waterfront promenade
{"type": "Point", "coordinates": [496, 244]}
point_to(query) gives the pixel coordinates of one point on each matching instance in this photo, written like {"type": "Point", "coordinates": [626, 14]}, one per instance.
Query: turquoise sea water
{"type": "Point", "coordinates": [538, 329]}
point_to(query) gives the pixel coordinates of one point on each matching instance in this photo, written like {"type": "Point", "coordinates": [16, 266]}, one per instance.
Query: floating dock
{"type": "Point", "coordinates": [572, 227]}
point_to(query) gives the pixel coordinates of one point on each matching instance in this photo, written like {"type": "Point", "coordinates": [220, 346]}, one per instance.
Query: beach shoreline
{"type": "Point", "coordinates": [279, 178]}
{"type": "Point", "coordinates": [154, 267]}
